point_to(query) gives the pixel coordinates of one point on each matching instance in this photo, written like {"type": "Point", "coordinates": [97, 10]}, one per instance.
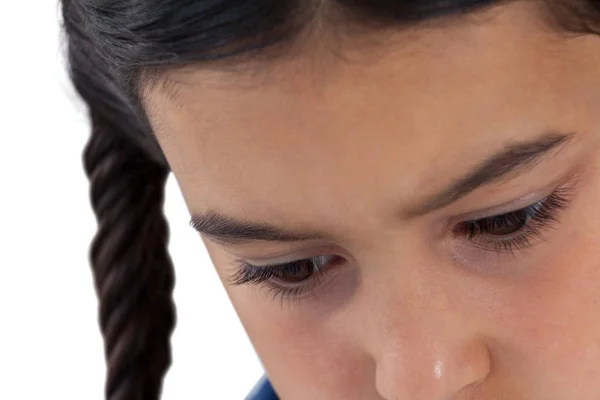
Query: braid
{"type": "Point", "coordinates": [133, 272]}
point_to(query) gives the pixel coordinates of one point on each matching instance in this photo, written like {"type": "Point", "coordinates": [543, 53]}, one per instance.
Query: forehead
{"type": "Point", "coordinates": [349, 129]}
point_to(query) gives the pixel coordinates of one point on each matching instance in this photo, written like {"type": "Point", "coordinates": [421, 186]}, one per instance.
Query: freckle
{"type": "Point", "coordinates": [437, 369]}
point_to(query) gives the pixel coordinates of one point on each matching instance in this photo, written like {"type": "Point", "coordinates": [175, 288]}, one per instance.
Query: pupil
{"type": "Point", "coordinates": [302, 271]}
{"type": "Point", "coordinates": [507, 224]}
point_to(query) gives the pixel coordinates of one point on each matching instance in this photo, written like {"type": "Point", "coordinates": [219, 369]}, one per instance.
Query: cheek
{"type": "Point", "coordinates": [551, 321]}
{"type": "Point", "coordinates": [301, 346]}
{"type": "Point", "coordinates": [302, 351]}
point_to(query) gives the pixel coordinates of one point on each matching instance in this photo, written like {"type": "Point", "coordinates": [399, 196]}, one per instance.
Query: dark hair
{"type": "Point", "coordinates": [115, 47]}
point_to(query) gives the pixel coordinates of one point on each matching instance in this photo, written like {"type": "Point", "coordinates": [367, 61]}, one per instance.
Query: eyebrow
{"type": "Point", "coordinates": [513, 158]}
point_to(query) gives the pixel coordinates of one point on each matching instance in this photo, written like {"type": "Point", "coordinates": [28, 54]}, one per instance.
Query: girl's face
{"type": "Point", "coordinates": [442, 187]}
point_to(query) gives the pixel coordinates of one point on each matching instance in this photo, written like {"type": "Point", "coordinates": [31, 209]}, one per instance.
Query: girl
{"type": "Point", "coordinates": [400, 197]}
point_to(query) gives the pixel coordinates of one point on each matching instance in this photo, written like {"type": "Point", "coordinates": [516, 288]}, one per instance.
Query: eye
{"type": "Point", "coordinates": [501, 233]}
{"type": "Point", "coordinates": [297, 271]}
{"type": "Point", "coordinates": [500, 225]}
{"type": "Point", "coordinates": [516, 229]}
{"type": "Point", "coordinates": [294, 278]}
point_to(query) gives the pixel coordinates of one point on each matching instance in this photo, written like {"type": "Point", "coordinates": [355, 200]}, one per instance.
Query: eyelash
{"type": "Point", "coordinates": [253, 274]}
{"type": "Point", "coordinates": [531, 221]}
{"type": "Point", "coordinates": [538, 217]}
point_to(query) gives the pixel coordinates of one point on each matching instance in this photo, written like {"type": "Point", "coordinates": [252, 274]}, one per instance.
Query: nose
{"type": "Point", "coordinates": [422, 367]}
{"type": "Point", "coordinates": [428, 341]}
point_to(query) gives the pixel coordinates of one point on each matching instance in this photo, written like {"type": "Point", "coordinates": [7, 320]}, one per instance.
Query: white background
{"type": "Point", "coordinates": [50, 344]}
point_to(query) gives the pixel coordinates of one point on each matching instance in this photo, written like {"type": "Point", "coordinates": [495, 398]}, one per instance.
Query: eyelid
{"type": "Point", "coordinates": [508, 207]}
{"type": "Point", "coordinates": [295, 255]}
{"type": "Point", "coordinates": [567, 181]}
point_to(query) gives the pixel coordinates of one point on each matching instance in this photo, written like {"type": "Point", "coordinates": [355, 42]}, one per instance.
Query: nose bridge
{"type": "Point", "coordinates": [427, 347]}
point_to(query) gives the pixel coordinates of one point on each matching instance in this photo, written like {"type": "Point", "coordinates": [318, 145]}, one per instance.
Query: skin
{"type": "Point", "coordinates": [343, 145]}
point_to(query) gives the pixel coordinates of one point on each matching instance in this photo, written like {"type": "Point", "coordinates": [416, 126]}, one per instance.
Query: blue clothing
{"type": "Point", "coordinates": [263, 391]}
